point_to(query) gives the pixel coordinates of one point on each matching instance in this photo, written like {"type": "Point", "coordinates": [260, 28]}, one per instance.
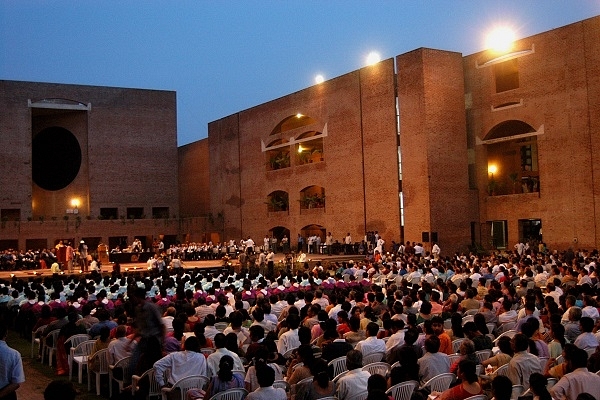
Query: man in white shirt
{"type": "Point", "coordinates": [355, 381]}
{"type": "Point", "coordinates": [214, 359]}
{"type": "Point", "coordinates": [586, 339]}
{"type": "Point", "coordinates": [289, 340]}
{"type": "Point", "coordinates": [181, 363]}
{"type": "Point", "coordinates": [578, 379]}
{"type": "Point", "coordinates": [120, 347]}
{"type": "Point", "coordinates": [371, 344]}
{"type": "Point", "coordinates": [397, 338]}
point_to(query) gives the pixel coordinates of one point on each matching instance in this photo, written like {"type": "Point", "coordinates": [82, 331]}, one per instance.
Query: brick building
{"type": "Point", "coordinates": [84, 162]}
{"type": "Point", "coordinates": [488, 149]}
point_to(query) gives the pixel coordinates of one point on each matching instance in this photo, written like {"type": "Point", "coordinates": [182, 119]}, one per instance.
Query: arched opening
{"type": "Point", "coordinates": [512, 163]}
{"type": "Point", "coordinates": [314, 236]}
{"type": "Point", "coordinates": [309, 151]}
{"type": "Point", "coordinates": [312, 197]}
{"type": "Point", "coordinates": [282, 234]}
{"type": "Point", "coordinates": [292, 122]}
{"type": "Point", "coordinates": [279, 157]}
{"type": "Point", "coordinates": [278, 201]}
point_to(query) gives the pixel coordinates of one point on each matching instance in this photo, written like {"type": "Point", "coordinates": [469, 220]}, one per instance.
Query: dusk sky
{"type": "Point", "coordinates": [225, 56]}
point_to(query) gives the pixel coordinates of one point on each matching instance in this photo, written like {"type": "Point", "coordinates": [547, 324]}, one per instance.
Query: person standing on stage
{"type": "Point", "coordinates": [83, 253]}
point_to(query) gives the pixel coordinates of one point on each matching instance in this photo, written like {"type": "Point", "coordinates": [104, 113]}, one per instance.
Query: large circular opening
{"type": "Point", "coordinates": [56, 158]}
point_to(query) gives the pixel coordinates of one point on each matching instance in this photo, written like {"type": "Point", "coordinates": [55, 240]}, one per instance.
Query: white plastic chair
{"type": "Point", "coordinates": [79, 355]}
{"type": "Point", "coordinates": [402, 391]}
{"type": "Point", "coordinates": [230, 394]}
{"type": "Point", "coordinates": [502, 370]}
{"type": "Point", "coordinates": [510, 333]}
{"type": "Point", "coordinates": [220, 326]}
{"type": "Point", "coordinates": [282, 385]}
{"type": "Point", "coordinates": [373, 358]}
{"type": "Point", "coordinates": [185, 384]}
{"type": "Point", "coordinates": [207, 351]}
{"type": "Point", "coordinates": [440, 382]}
{"type": "Point", "coordinates": [477, 397]}
{"type": "Point", "coordinates": [456, 344]}
{"type": "Point", "coordinates": [517, 390]}
{"type": "Point", "coordinates": [381, 368]}
{"type": "Point", "coordinates": [123, 364]}
{"type": "Point", "coordinates": [454, 358]}
{"type": "Point", "coordinates": [36, 338]}
{"type": "Point", "coordinates": [359, 396]}
{"type": "Point", "coordinates": [471, 312]}
{"type": "Point", "coordinates": [154, 389]}
{"type": "Point", "coordinates": [483, 355]}
{"type": "Point", "coordinates": [339, 365]}
{"type": "Point", "coordinates": [50, 349]}
{"type": "Point", "coordinates": [102, 368]}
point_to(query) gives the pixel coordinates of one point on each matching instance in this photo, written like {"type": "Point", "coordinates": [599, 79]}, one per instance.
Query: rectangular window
{"type": "Point", "coordinates": [530, 230]}
{"type": "Point", "coordinates": [109, 213]}
{"type": "Point", "coordinates": [135, 212]}
{"type": "Point", "coordinates": [10, 214]}
{"type": "Point", "coordinates": [499, 234]}
{"type": "Point", "coordinates": [160, 212]}
{"type": "Point", "coordinates": [507, 75]}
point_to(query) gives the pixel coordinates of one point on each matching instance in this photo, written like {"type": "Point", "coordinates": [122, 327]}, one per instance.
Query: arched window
{"type": "Point", "coordinates": [512, 159]}
{"type": "Point", "coordinates": [292, 122]}
{"type": "Point", "coordinates": [312, 197]}
{"type": "Point", "coordinates": [278, 201]}
{"type": "Point", "coordinates": [278, 156]}
{"type": "Point", "coordinates": [309, 151]}
{"type": "Point", "coordinates": [282, 234]}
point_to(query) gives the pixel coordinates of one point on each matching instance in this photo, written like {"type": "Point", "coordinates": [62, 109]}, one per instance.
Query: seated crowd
{"type": "Point", "coordinates": [492, 322]}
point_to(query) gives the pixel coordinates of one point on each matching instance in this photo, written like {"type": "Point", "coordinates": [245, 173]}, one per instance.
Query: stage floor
{"type": "Point", "coordinates": [204, 264]}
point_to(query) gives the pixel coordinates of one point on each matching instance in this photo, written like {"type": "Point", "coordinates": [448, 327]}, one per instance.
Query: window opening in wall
{"type": "Point", "coordinates": [309, 151]}
{"type": "Point", "coordinates": [278, 158]}
{"type": "Point", "coordinates": [10, 214]}
{"type": "Point", "coordinates": [135, 212]}
{"type": "Point", "coordinates": [312, 197]}
{"type": "Point", "coordinates": [506, 75]}
{"type": "Point", "coordinates": [499, 235]}
{"type": "Point", "coordinates": [530, 230]}
{"type": "Point", "coordinates": [278, 201]}
{"type": "Point", "coordinates": [160, 212]}
{"type": "Point", "coordinates": [109, 213]}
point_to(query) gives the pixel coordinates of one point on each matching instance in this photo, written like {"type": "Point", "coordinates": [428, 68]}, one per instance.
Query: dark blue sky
{"type": "Point", "coordinates": [225, 56]}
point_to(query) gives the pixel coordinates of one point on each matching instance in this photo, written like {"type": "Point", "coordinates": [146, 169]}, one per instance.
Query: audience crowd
{"type": "Point", "coordinates": [521, 321]}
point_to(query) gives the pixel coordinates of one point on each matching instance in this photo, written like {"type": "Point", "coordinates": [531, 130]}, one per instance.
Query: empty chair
{"type": "Point", "coordinates": [77, 339]}
{"type": "Point", "coordinates": [402, 391]}
{"type": "Point", "coordinates": [339, 365]}
{"type": "Point", "coordinates": [440, 382]}
{"type": "Point", "coordinates": [50, 348]}
{"type": "Point", "coordinates": [230, 394]}
{"type": "Point", "coordinates": [185, 384]}
{"type": "Point", "coordinates": [36, 338]}
{"type": "Point", "coordinates": [373, 358]}
{"type": "Point", "coordinates": [153, 390]}
{"type": "Point", "coordinates": [456, 345]}
{"type": "Point", "coordinates": [99, 368]}
{"type": "Point", "coordinates": [381, 368]}
{"type": "Point", "coordinates": [122, 364]}
{"type": "Point", "coordinates": [79, 356]}
{"type": "Point", "coordinates": [483, 355]}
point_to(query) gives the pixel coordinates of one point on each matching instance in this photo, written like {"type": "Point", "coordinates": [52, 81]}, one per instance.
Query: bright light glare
{"type": "Point", "coordinates": [299, 115]}
{"type": "Point", "coordinates": [373, 58]}
{"type": "Point", "coordinates": [492, 169]}
{"type": "Point", "coordinates": [500, 39]}
{"type": "Point", "coordinates": [319, 79]}
{"type": "Point", "coordinates": [74, 203]}
{"type": "Point", "coordinates": [300, 148]}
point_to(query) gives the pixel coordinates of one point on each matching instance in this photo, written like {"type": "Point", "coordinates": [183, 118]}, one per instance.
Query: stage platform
{"type": "Point", "coordinates": [142, 266]}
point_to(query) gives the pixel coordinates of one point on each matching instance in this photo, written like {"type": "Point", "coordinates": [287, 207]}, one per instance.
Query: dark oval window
{"type": "Point", "coordinates": [56, 158]}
